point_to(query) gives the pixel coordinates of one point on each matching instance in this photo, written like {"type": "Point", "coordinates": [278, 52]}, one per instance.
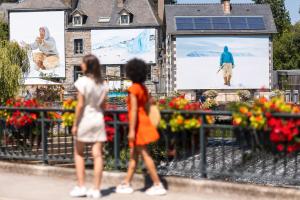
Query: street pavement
{"type": "Point", "coordinates": [25, 187]}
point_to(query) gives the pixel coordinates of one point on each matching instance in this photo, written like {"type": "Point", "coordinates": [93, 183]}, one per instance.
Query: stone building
{"type": "Point", "coordinates": [210, 26]}
{"type": "Point", "coordinates": [82, 17]}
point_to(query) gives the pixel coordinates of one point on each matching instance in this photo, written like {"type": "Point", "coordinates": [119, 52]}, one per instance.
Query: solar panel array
{"type": "Point", "coordinates": [220, 23]}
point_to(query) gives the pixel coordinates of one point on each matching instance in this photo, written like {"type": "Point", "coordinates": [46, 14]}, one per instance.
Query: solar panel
{"type": "Point", "coordinates": [187, 26]}
{"type": "Point", "coordinates": [220, 23]}
{"type": "Point", "coordinates": [202, 20]}
{"type": "Point", "coordinates": [238, 20]}
{"type": "Point", "coordinates": [204, 26]}
{"type": "Point", "coordinates": [220, 20]}
{"type": "Point", "coordinates": [220, 26]}
{"type": "Point", "coordinates": [256, 23]}
{"type": "Point", "coordinates": [184, 20]}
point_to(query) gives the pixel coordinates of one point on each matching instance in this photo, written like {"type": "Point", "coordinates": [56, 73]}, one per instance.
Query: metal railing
{"type": "Point", "coordinates": [215, 151]}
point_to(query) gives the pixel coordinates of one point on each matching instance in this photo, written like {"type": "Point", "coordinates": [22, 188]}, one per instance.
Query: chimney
{"type": "Point", "coordinates": [71, 3]}
{"type": "Point", "coordinates": [161, 10]}
{"type": "Point", "coordinates": [226, 6]}
{"type": "Point", "coordinates": [68, 2]}
{"type": "Point", "coordinates": [120, 3]}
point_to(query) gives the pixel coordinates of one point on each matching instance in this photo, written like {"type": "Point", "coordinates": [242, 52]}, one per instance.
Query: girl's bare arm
{"type": "Point", "coordinates": [78, 112]}
{"type": "Point", "coordinates": [133, 117]}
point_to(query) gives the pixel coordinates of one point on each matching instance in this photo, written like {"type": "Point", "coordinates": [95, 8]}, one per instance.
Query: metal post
{"type": "Point", "coordinates": [203, 161]}
{"type": "Point", "coordinates": [44, 139]}
{"type": "Point", "coordinates": [116, 143]}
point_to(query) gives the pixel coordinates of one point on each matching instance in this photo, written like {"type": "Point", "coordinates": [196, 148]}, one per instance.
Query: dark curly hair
{"type": "Point", "coordinates": [136, 70]}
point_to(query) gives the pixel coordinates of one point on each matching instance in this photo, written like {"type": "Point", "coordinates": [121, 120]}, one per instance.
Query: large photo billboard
{"type": "Point", "coordinates": [222, 62]}
{"type": "Point", "coordinates": [120, 45]}
{"type": "Point", "coordinates": [42, 34]}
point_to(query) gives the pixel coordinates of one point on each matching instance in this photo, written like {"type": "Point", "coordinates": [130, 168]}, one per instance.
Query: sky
{"type": "Point", "coordinates": [292, 5]}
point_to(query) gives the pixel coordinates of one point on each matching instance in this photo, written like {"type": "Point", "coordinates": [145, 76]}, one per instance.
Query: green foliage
{"type": "Point", "coordinates": [15, 54]}
{"type": "Point", "coordinates": [287, 49]}
{"type": "Point", "coordinates": [4, 32]}
{"type": "Point", "coordinates": [13, 61]}
{"type": "Point", "coordinates": [280, 14]}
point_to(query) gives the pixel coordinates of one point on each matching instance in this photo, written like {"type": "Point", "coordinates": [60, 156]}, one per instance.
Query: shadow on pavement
{"type": "Point", "coordinates": [108, 191]}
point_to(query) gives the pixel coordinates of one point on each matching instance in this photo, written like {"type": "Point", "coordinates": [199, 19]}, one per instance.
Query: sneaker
{"type": "Point", "coordinates": [156, 190]}
{"type": "Point", "coordinates": [92, 193]}
{"type": "Point", "coordinates": [78, 192]}
{"type": "Point", "coordinates": [124, 189]}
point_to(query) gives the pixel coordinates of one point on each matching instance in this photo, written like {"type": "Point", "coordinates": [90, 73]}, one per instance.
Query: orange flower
{"type": "Point", "coordinates": [244, 110]}
{"type": "Point", "coordinates": [263, 100]}
{"type": "Point", "coordinates": [259, 118]}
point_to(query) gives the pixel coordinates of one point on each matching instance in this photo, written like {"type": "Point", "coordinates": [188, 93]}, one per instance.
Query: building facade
{"type": "Point", "coordinates": [113, 30]}
{"type": "Point", "coordinates": [183, 44]}
{"type": "Point", "coordinates": [197, 35]}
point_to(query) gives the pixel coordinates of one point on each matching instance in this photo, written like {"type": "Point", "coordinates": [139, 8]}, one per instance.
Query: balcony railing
{"type": "Point", "coordinates": [215, 151]}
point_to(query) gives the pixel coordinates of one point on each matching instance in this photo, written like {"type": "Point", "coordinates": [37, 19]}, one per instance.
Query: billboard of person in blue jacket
{"type": "Point", "coordinates": [226, 65]}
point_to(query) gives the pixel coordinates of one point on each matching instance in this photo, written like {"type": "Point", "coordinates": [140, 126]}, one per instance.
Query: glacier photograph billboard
{"type": "Point", "coordinates": [43, 35]}
{"type": "Point", "coordinates": [222, 62]}
{"type": "Point", "coordinates": [120, 45]}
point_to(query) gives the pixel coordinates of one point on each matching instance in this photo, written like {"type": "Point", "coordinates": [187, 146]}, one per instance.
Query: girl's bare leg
{"type": "Point", "coordinates": [150, 165]}
{"type": "Point", "coordinates": [134, 158]}
{"type": "Point", "coordinates": [98, 164]}
{"type": "Point", "coordinates": [79, 162]}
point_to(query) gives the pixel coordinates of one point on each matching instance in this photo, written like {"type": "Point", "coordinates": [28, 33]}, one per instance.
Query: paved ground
{"type": "Point", "coordinates": [23, 187]}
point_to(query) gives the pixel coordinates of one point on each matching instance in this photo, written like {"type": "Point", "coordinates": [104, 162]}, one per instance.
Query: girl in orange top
{"type": "Point", "coordinates": [141, 130]}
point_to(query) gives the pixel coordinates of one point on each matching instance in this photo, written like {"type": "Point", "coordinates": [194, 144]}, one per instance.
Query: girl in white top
{"type": "Point", "coordinates": [89, 126]}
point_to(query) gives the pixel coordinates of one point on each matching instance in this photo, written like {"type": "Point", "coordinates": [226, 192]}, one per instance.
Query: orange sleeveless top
{"type": "Point", "coordinates": [146, 133]}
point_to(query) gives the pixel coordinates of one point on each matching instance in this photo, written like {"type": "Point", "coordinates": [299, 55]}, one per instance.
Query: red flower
{"type": "Point", "coordinates": [280, 147]}
{"type": "Point", "coordinates": [110, 131]}
{"type": "Point", "coordinates": [268, 114]}
{"type": "Point", "coordinates": [108, 118]}
{"type": "Point", "coordinates": [123, 117]}
{"type": "Point", "coordinates": [275, 136]}
{"type": "Point", "coordinates": [171, 104]}
{"type": "Point", "coordinates": [162, 101]}
{"type": "Point", "coordinates": [292, 148]}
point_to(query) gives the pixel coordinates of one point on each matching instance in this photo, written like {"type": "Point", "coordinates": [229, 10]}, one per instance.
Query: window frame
{"type": "Point", "coordinates": [76, 50]}
{"type": "Point", "coordinates": [128, 19]}
{"type": "Point", "coordinates": [80, 20]}
{"type": "Point", "coordinates": [77, 72]}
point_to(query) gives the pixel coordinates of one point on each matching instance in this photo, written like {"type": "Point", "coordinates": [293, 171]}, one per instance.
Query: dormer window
{"type": "Point", "coordinates": [77, 20]}
{"type": "Point", "coordinates": [124, 19]}
{"type": "Point", "coordinates": [78, 17]}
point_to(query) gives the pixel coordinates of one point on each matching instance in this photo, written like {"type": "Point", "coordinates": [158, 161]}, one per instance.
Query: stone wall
{"type": "Point", "coordinates": [72, 59]}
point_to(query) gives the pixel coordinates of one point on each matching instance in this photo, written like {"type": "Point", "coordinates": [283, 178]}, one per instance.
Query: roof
{"type": "Point", "coordinates": [78, 11]}
{"type": "Point", "coordinates": [190, 10]}
{"type": "Point", "coordinates": [41, 5]}
{"type": "Point", "coordinates": [143, 14]}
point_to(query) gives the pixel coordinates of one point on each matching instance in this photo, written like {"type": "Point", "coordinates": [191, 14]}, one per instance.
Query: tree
{"type": "Point", "coordinates": [287, 49]}
{"type": "Point", "coordinates": [280, 14]}
{"type": "Point", "coordinates": [13, 63]}
{"type": "Point", "coordinates": [4, 32]}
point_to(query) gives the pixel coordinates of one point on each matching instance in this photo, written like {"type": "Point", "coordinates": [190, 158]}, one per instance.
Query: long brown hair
{"type": "Point", "coordinates": [93, 67]}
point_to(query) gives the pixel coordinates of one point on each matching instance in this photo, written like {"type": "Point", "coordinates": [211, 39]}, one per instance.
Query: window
{"type": "Point", "coordinates": [104, 20]}
{"type": "Point", "coordinates": [77, 72]}
{"type": "Point", "coordinates": [124, 19]}
{"type": "Point", "coordinates": [78, 46]}
{"type": "Point", "coordinates": [123, 72]}
{"type": "Point", "coordinates": [148, 77]}
{"type": "Point", "coordinates": [77, 20]}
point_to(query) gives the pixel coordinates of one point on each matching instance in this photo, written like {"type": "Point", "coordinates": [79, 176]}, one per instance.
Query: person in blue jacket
{"type": "Point", "coordinates": [227, 64]}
